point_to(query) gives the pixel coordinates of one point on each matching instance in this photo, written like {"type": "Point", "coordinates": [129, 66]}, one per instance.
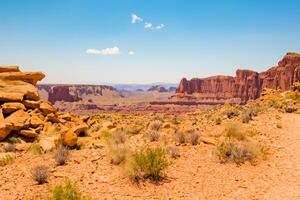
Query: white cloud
{"type": "Point", "coordinates": [131, 53]}
{"type": "Point", "coordinates": [149, 26]}
{"type": "Point", "coordinates": [104, 52]}
{"type": "Point", "coordinates": [135, 18]}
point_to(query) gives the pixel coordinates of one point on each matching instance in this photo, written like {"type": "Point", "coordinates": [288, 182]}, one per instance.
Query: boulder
{"type": "Point", "coordinates": [48, 143]}
{"type": "Point", "coordinates": [70, 139]}
{"type": "Point", "coordinates": [16, 91]}
{"type": "Point", "coordinates": [11, 107]}
{"type": "Point", "coordinates": [18, 119]}
{"type": "Point", "coordinates": [5, 129]}
{"type": "Point", "coordinates": [9, 69]}
{"type": "Point", "coordinates": [82, 128]}
{"type": "Point", "coordinates": [47, 108]}
{"type": "Point", "coordinates": [31, 104]}
{"type": "Point", "coordinates": [30, 133]}
{"type": "Point", "coordinates": [28, 77]}
{"type": "Point", "coordinates": [36, 121]}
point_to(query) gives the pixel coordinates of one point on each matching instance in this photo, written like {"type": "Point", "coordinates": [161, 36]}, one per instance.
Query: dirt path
{"type": "Point", "coordinates": [195, 175]}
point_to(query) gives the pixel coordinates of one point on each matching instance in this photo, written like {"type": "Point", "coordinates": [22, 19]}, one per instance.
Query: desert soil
{"type": "Point", "coordinates": [195, 175]}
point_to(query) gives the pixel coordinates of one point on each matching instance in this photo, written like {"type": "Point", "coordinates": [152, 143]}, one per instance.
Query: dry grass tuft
{"type": "Point", "coordinates": [61, 155]}
{"type": "Point", "coordinates": [40, 174]}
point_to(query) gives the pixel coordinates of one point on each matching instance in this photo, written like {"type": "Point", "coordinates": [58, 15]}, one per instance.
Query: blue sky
{"type": "Point", "coordinates": [69, 39]}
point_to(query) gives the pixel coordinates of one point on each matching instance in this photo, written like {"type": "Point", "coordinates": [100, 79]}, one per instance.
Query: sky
{"type": "Point", "coordinates": [145, 41]}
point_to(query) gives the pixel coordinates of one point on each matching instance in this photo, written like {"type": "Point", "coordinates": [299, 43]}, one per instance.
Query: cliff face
{"type": "Point", "coordinates": [71, 93]}
{"type": "Point", "coordinates": [244, 86]}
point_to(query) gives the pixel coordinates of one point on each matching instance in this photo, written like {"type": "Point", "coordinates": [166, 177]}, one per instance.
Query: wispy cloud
{"type": "Point", "coordinates": [147, 25]}
{"type": "Point", "coordinates": [131, 53]}
{"type": "Point", "coordinates": [150, 26]}
{"type": "Point", "coordinates": [104, 52]}
{"type": "Point", "coordinates": [135, 18]}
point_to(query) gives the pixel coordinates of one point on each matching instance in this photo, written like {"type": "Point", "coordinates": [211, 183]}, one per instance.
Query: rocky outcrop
{"type": "Point", "coordinates": [72, 93]}
{"type": "Point", "coordinates": [244, 86]}
{"type": "Point", "coordinates": [22, 113]}
{"type": "Point", "coordinates": [157, 88]}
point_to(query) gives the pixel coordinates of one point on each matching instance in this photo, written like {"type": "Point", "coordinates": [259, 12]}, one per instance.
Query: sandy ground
{"type": "Point", "coordinates": [195, 175]}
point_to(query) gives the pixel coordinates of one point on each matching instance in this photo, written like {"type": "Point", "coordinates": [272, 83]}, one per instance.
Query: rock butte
{"type": "Point", "coordinates": [246, 85]}
{"type": "Point", "coordinates": [23, 113]}
{"type": "Point", "coordinates": [71, 93]}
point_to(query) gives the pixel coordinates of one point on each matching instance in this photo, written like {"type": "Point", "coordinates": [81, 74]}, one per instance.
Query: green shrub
{"type": "Point", "coordinates": [35, 149]}
{"type": "Point", "coordinates": [6, 158]}
{"type": "Point", "coordinates": [148, 163]}
{"type": "Point", "coordinates": [68, 191]}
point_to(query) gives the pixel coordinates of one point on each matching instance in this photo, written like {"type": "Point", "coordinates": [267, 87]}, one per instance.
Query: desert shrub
{"type": "Point", "coordinates": [9, 148]}
{"type": "Point", "coordinates": [180, 137]}
{"type": "Point", "coordinates": [246, 116]}
{"type": "Point", "coordinates": [231, 112]}
{"type": "Point", "coordinates": [279, 125]}
{"type": "Point", "coordinates": [234, 130]}
{"type": "Point", "coordinates": [155, 125]}
{"type": "Point", "coordinates": [193, 137]}
{"type": "Point", "coordinates": [67, 191]}
{"type": "Point", "coordinates": [118, 137]}
{"type": "Point", "coordinates": [104, 135]}
{"type": "Point", "coordinates": [61, 155]}
{"type": "Point", "coordinates": [153, 135]}
{"type": "Point", "coordinates": [290, 108]}
{"type": "Point", "coordinates": [118, 152]}
{"type": "Point", "coordinates": [239, 151]}
{"type": "Point", "coordinates": [218, 121]}
{"type": "Point", "coordinates": [40, 174]}
{"type": "Point", "coordinates": [35, 149]}
{"type": "Point", "coordinates": [173, 152]}
{"type": "Point", "coordinates": [148, 163]}
{"type": "Point", "coordinates": [7, 158]}
{"type": "Point", "coordinates": [134, 130]}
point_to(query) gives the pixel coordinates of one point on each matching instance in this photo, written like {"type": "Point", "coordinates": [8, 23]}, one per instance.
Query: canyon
{"type": "Point", "coordinates": [246, 85]}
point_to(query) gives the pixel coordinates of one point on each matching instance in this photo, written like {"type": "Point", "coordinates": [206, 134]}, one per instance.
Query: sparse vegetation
{"type": "Point", "coordinates": [67, 191]}
{"type": "Point", "coordinates": [194, 137]}
{"type": "Point", "coordinates": [40, 174]}
{"type": "Point", "coordinates": [118, 152]}
{"type": "Point", "coordinates": [180, 137]}
{"type": "Point", "coordinates": [148, 163]}
{"type": "Point", "coordinates": [155, 125]}
{"type": "Point", "coordinates": [238, 152]}
{"type": "Point", "coordinates": [61, 155]}
{"type": "Point", "coordinates": [173, 152]}
{"type": "Point", "coordinates": [234, 130]}
{"type": "Point", "coordinates": [9, 148]}
{"type": "Point", "coordinates": [35, 149]}
{"type": "Point", "coordinates": [153, 135]}
{"type": "Point", "coordinates": [6, 158]}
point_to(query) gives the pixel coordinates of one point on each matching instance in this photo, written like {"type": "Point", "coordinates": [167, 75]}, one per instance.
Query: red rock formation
{"type": "Point", "coordinates": [244, 86]}
{"type": "Point", "coordinates": [71, 93]}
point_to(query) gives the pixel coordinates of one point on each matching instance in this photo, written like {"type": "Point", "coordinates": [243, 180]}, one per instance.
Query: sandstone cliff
{"type": "Point", "coordinates": [71, 93]}
{"type": "Point", "coordinates": [244, 86]}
